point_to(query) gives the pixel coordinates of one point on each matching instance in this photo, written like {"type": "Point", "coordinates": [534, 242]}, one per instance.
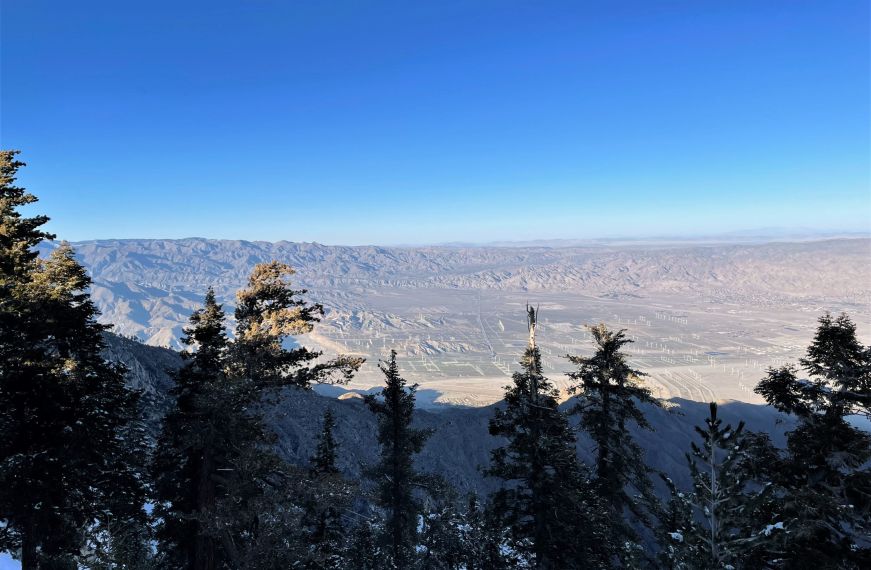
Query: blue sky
{"type": "Point", "coordinates": [411, 122]}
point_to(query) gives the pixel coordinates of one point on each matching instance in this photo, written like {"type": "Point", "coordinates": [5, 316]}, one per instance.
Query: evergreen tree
{"type": "Point", "coordinates": [676, 526]}
{"type": "Point", "coordinates": [824, 479]}
{"type": "Point", "coordinates": [268, 312]}
{"type": "Point", "coordinates": [298, 523]}
{"type": "Point", "coordinates": [214, 462]}
{"type": "Point", "coordinates": [609, 394]}
{"type": "Point", "coordinates": [227, 500]}
{"type": "Point", "coordinates": [486, 541]}
{"type": "Point", "coordinates": [722, 496]}
{"type": "Point", "coordinates": [324, 460]}
{"type": "Point", "coordinates": [194, 446]}
{"type": "Point", "coordinates": [65, 413]}
{"type": "Point", "coordinates": [19, 237]}
{"type": "Point", "coordinates": [442, 537]}
{"type": "Point", "coordinates": [327, 537]}
{"type": "Point", "coordinates": [363, 552]}
{"type": "Point", "coordinates": [394, 475]}
{"type": "Point", "coordinates": [327, 497]}
{"type": "Point", "coordinates": [105, 438]}
{"type": "Point", "coordinates": [474, 539]}
{"type": "Point", "coordinates": [545, 498]}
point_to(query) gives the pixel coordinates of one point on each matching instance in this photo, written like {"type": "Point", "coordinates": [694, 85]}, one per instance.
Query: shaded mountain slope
{"type": "Point", "coordinates": [460, 444]}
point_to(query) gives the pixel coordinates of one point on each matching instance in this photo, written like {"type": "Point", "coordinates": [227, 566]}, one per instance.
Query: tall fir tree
{"type": "Point", "coordinates": [65, 412]}
{"type": "Point", "coordinates": [363, 552]}
{"type": "Point", "coordinates": [609, 392]}
{"type": "Point", "coordinates": [323, 462]}
{"type": "Point", "coordinates": [215, 470]}
{"type": "Point", "coordinates": [19, 237]}
{"type": "Point", "coordinates": [487, 540]}
{"type": "Point", "coordinates": [825, 480]}
{"type": "Point", "coordinates": [269, 311]}
{"type": "Point", "coordinates": [442, 536]}
{"type": "Point", "coordinates": [27, 391]}
{"type": "Point", "coordinates": [327, 497]}
{"type": "Point", "coordinates": [725, 498]}
{"type": "Point", "coordinates": [396, 479]}
{"type": "Point", "coordinates": [546, 497]}
{"type": "Point", "coordinates": [195, 446]}
{"type": "Point", "coordinates": [677, 525]}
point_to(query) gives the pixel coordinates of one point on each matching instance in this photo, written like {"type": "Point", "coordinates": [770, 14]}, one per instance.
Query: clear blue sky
{"type": "Point", "coordinates": [410, 122]}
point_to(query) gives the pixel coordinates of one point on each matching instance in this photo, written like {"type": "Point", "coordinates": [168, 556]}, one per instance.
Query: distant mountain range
{"type": "Point", "coordinates": [756, 235]}
{"type": "Point", "coordinates": [148, 288]}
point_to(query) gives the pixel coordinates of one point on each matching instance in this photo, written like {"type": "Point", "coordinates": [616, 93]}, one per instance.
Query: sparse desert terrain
{"type": "Point", "coordinates": [707, 320]}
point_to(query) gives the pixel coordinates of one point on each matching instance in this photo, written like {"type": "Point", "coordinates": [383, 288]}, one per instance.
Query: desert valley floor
{"type": "Point", "coordinates": [707, 319]}
{"type": "Point", "coordinates": [462, 346]}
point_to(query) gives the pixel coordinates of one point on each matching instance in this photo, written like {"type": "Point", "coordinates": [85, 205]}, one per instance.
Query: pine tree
{"type": "Point", "coordinates": [214, 465]}
{"type": "Point", "coordinates": [193, 446]}
{"type": "Point", "coordinates": [824, 479]}
{"type": "Point", "coordinates": [609, 393]}
{"type": "Point", "coordinates": [324, 460]}
{"type": "Point", "coordinates": [19, 237]}
{"type": "Point", "coordinates": [24, 371]}
{"type": "Point", "coordinates": [545, 498]}
{"type": "Point", "coordinates": [394, 475]}
{"type": "Point", "coordinates": [227, 500]}
{"type": "Point", "coordinates": [676, 527]}
{"type": "Point", "coordinates": [327, 537]}
{"type": "Point", "coordinates": [486, 540]}
{"type": "Point", "coordinates": [717, 487]}
{"type": "Point", "coordinates": [326, 497]}
{"type": "Point", "coordinates": [105, 436]}
{"type": "Point", "coordinates": [442, 539]}
{"type": "Point", "coordinates": [723, 496]}
{"type": "Point", "coordinates": [363, 552]}
{"type": "Point", "coordinates": [268, 312]}
{"type": "Point", "coordinates": [65, 413]}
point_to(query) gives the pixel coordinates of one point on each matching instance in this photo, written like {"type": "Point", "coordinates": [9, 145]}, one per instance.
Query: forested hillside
{"type": "Point", "coordinates": [460, 445]}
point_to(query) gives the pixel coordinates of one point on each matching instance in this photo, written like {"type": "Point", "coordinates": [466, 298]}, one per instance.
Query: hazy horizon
{"type": "Point", "coordinates": [760, 235]}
